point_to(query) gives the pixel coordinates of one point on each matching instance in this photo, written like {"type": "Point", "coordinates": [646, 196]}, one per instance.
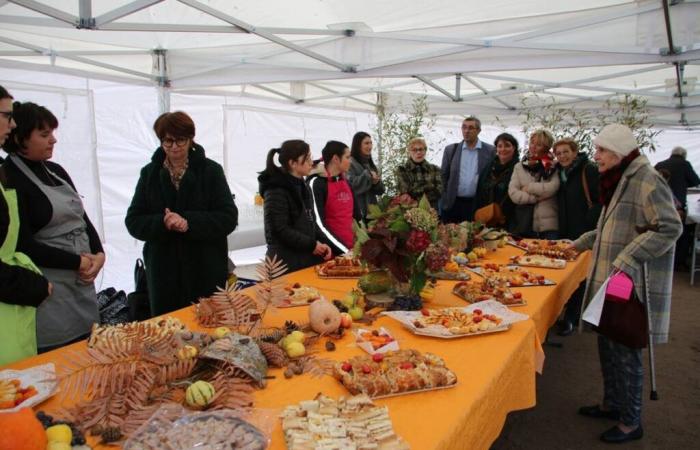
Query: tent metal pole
{"type": "Point", "coordinates": [436, 87]}
{"type": "Point", "coordinates": [265, 35]}
{"type": "Point", "coordinates": [486, 92]}
{"type": "Point", "coordinates": [341, 95]}
{"type": "Point", "coordinates": [47, 11]}
{"type": "Point", "coordinates": [123, 11]}
{"type": "Point", "coordinates": [672, 50]}
{"type": "Point", "coordinates": [278, 93]}
{"type": "Point", "coordinates": [85, 11]}
{"type": "Point", "coordinates": [160, 67]}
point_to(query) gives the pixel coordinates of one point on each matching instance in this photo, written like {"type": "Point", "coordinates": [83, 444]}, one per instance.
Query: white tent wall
{"type": "Point", "coordinates": [105, 137]}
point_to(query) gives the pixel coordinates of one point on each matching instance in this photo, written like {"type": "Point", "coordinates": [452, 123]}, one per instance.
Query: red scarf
{"type": "Point", "coordinates": [610, 178]}
{"type": "Point", "coordinates": [541, 167]}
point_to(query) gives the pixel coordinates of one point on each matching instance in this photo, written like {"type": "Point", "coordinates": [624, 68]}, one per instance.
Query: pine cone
{"type": "Point", "coordinates": [111, 434]}
{"type": "Point", "coordinates": [275, 356]}
{"type": "Point", "coordinates": [290, 326]}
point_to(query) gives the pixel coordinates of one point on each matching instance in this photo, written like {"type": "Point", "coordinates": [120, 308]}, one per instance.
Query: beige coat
{"type": "Point", "coordinates": [639, 226]}
{"type": "Point", "coordinates": [543, 194]}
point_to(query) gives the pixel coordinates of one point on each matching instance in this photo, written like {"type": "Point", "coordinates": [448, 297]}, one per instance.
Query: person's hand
{"type": "Point", "coordinates": [323, 251]}
{"type": "Point", "coordinates": [175, 222]}
{"type": "Point", "coordinates": [97, 261]}
{"type": "Point", "coordinates": [85, 264]}
{"type": "Point", "coordinates": [50, 290]}
{"type": "Point", "coordinates": [375, 177]}
{"type": "Point", "coordinates": [524, 189]}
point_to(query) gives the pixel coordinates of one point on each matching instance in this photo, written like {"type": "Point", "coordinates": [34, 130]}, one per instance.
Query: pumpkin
{"type": "Point", "coordinates": [26, 433]}
{"type": "Point", "coordinates": [199, 394]}
{"type": "Point", "coordinates": [324, 317]}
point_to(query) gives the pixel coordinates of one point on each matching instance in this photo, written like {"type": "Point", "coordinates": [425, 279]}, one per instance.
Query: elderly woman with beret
{"type": "Point", "coordinates": [635, 234]}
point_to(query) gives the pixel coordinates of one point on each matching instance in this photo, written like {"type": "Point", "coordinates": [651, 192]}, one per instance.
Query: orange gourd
{"type": "Point", "coordinates": [21, 431]}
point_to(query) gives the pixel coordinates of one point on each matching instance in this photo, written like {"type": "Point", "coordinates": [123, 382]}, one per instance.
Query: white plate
{"type": "Point", "coordinates": [43, 378]}
{"type": "Point", "coordinates": [509, 317]}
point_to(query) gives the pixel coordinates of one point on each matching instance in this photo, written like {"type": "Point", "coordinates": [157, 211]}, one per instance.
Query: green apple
{"type": "Point", "coordinates": [356, 313]}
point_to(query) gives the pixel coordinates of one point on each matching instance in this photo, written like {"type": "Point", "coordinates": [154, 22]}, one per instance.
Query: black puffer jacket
{"type": "Point", "coordinates": [575, 217]}
{"type": "Point", "coordinates": [290, 230]}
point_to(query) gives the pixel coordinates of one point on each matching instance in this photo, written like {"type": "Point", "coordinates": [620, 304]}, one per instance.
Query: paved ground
{"type": "Point", "coordinates": [572, 378]}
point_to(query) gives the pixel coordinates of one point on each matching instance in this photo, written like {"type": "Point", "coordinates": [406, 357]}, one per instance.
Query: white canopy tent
{"type": "Point", "coordinates": [253, 74]}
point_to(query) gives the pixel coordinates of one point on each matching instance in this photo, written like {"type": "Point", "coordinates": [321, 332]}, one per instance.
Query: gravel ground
{"type": "Point", "coordinates": [572, 378]}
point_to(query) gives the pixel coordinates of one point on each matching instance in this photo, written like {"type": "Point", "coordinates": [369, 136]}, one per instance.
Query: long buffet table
{"type": "Point", "coordinates": [496, 372]}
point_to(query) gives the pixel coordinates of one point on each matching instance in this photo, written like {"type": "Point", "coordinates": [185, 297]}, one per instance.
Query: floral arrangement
{"type": "Point", "coordinates": [403, 237]}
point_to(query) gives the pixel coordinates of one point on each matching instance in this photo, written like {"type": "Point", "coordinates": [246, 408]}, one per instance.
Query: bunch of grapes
{"type": "Point", "coordinates": [417, 241]}
{"type": "Point", "coordinates": [436, 256]}
{"type": "Point", "coordinates": [48, 421]}
{"type": "Point", "coordinates": [421, 219]}
{"type": "Point", "coordinates": [406, 303]}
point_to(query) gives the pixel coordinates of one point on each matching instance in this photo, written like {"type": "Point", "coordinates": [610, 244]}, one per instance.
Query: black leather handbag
{"type": "Point", "coordinates": [139, 304]}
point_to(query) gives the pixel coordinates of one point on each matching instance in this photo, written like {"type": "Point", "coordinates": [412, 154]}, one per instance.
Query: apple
{"type": "Point", "coordinates": [345, 320]}
{"type": "Point", "coordinates": [221, 332]}
{"type": "Point", "coordinates": [349, 300]}
{"type": "Point", "coordinates": [356, 313]}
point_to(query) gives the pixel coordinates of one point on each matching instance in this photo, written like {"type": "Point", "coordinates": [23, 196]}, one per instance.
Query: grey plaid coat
{"type": "Point", "coordinates": [640, 225]}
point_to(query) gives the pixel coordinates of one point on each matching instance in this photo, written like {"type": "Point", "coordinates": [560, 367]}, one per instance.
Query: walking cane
{"type": "Point", "coordinates": [653, 395]}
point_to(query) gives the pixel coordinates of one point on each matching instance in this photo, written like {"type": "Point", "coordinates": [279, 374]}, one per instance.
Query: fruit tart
{"type": "Point", "coordinates": [512, 276]}
{"type": "Point", "coordinates": [341, 267]}
{"type": "Point", "coordinates": [395, 372]}
{"type": "Point", "coordinates": [554, 249]}
{"type": "Point", "coordinates": [479, 291]}
{"type": "Point", "coordinates": [458, 321]}
{"type": "Point", "coordinates": [539, 261]}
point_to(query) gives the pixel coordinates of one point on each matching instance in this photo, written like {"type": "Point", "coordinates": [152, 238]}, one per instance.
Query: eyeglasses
{"type": "Point", "coordinates": [9, 115]}
{"type": "Point", "coordinates": [167, 142]}
{"type": "Point", "coordinates": [419, 150]}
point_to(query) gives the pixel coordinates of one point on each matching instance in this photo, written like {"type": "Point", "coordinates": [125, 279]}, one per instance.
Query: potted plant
{"type": "Point", "coordinates": [402, 237]}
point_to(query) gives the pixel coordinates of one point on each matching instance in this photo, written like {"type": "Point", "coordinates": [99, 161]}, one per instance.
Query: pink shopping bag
{"type": "Point", "coordinates": [619, 288]}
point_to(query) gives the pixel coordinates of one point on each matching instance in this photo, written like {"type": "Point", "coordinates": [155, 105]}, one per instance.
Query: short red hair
{"type": "Point", "coordinates": [177, 124]}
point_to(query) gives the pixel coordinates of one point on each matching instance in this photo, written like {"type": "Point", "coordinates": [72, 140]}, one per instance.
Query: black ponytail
{"type": "Point", "coordinates": [289, 151]}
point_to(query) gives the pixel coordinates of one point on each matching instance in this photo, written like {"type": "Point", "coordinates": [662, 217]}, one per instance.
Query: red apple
{"type": "Point", "coordinates": [345, 320]}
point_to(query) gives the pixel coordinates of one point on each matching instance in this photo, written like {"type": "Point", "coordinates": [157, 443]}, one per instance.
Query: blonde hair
{"type": "Point", "coordinates": [566, 141]}
{"type": "Point", "coordinates": [416, 140]}
{"type": "Point", "coordinates": [544, 136]}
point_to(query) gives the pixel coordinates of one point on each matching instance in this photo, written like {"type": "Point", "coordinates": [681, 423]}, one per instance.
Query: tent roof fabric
{"type": "Point", "coordinates": [466, 56]}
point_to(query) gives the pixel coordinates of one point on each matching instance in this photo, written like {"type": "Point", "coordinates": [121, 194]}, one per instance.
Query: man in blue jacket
{"type": "Point", "coordinates": [462, 163]}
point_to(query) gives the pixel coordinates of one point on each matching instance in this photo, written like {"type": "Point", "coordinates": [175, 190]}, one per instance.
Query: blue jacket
{"type": "Point", "coordinates": [451, 159]}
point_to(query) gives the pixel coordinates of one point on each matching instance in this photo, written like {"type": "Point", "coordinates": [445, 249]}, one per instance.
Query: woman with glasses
{"type": "Point", "coordinates": [55, 232]}
{"type": "Point", "coordinates": [291, 232]}
{"type": "Point", "coordinates": [183, 209]}
{"type": "Point", "coordinates": [417, 177]}
{"type": "Point", "coordinates": [22, 288]}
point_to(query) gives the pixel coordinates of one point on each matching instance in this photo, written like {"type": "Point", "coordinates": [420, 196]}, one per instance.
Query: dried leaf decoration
{"type": "Point", "coordinates": [129, 370]}
{"type": "Point", "coordinates": [228, 307]}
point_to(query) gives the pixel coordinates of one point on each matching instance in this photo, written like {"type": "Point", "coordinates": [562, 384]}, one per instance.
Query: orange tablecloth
{"type": "Point", "coordinates": [496, 372]}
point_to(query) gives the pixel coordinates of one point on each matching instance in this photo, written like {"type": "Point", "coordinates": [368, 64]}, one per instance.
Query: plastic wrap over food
{"type": "Point", "coordinates": [174, 427]}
